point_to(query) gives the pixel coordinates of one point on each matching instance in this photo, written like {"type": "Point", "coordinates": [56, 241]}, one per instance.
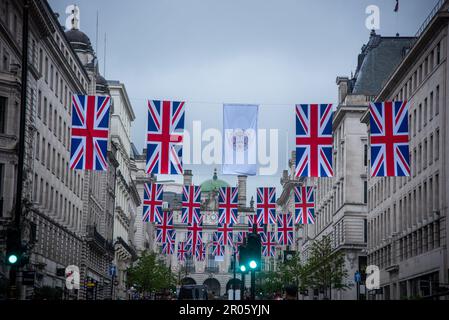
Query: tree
{"type": "Point", "coordinates": [150, 275]}
{"type": "Point", "coordinates": [270, 283]}
{"type": "Point", "coordinates": [294, 272]}
{"type": "Point", "coordinates": [325, 268]}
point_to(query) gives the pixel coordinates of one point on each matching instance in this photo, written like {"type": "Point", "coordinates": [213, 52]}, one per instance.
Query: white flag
{"type": "Point", "coordinates": [240, 139]}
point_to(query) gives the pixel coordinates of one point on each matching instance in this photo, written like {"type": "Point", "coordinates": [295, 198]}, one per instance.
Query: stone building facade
{"type": "Point", "coordinates": [407, 216]}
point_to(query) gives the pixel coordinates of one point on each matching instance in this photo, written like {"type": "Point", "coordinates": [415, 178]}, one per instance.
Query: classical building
{"type": "Point", "coordinates": [407, 216]}
{"type": "Point", "coordinates": [52, 224]}
{"type": "Point", "coordinates": [127, 198]}
{"type": "Point", "coordinates": [98, 195]}
{"type": "Point", "coordinates": [341, 201]}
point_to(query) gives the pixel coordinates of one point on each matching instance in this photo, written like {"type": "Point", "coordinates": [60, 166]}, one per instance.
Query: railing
{"type": "Point", "coordinates": [429, 18]}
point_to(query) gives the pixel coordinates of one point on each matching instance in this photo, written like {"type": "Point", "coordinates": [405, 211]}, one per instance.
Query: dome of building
{"type": "Point", "coordinates": [213, 184]}
{"type": "Point", "coordinates": [78, 39]}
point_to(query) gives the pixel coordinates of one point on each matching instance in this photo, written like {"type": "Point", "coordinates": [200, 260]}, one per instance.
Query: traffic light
{"type": "Point", "coordinates": [14, 250]}
{"type": "Point", "coordinates": [253, 246]}
{"type": "Point", "coordinates": [243, 258]}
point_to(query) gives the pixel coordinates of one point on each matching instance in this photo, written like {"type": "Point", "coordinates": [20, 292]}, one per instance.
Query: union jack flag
{"type": "Point", "coordinates": [314, 140]}
{"type": "Point", "coordinates": [191, 203]}
{"type": "Point", "coordinates": [169, 246]}
{"type": "Point", "coordinates": [165, 227]}
{"type": "Point", "coordinates": [252, 219]}
{"type": "Point", "coordinates": [89, 133]}
{"type": "Point", "coordinates": [218, 249]}
{"type": "Point", "coordinates": [224, 234]}
{"type": "Point", "coordinates": [184, 250]}
{"type": "Point", "coordinates": [304, 205]}
{"type": "Point", "coordinates": [227, 205]}
{"type": "Point", "coordinates": [200, 251]}
{"type": "Point", "coordinates": [266, 205]}
{"type": "Point", "coordinates": [285, 229]}
{"type": "Point", "coordinates": [268, 240]}
{"type": "Point", "coordinates": [194, 235]}
{"type": "Point", "coordinates": [164, 137]}
{"type": "Point", "coordinates": [239, 238]}
{"type": "Point", "coordinates": [152, 202]}
{"type": "Point", "coordinates": [389, 139]}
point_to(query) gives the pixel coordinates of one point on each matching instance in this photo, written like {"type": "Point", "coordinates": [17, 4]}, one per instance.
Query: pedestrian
{"type": "Point", "coordinates": [291, 292]}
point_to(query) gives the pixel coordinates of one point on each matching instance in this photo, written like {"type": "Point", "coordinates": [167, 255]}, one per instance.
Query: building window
{"type": "Point", "coordinates": [3, 114]}
{"type": "Point", "coordinates": [365, 192]}
{"type": "Point", "coordinates": [425, 111]}
{"type": "Point", "coordinates": [420, 117]}
{"type": "Point", "coordinates": [431, 106]}
{"type": "Point", "coordinates": [39, 104]}
{"type": "Point", "coordinates": [38, 141]}
{"type": "Point", "coordinates": [2, 173]}
{"type": "Point", "coordinates": [43, 151]}
{"type": "Point", "coordinates": [50, 117]}
{"type": "Point", "coordinates": [46, 69]}
{"type": "Point", "coordinates": [437, 144]}
{"type": "Point", "coordinates": [438, 54]}
{"type": "Point", "coordinates": [437, 101]}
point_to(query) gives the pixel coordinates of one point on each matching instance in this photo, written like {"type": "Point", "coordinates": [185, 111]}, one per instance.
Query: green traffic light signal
{"type": "Point", "coordinates": [12, 259]}
{"type": "Point", "coordinates": [253, 264]}
{"type": "Point", "coordinates": [242, 268]}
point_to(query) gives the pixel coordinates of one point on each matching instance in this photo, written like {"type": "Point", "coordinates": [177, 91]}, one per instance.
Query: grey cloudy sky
{"type": "Point", "coordinates": [275, 53]}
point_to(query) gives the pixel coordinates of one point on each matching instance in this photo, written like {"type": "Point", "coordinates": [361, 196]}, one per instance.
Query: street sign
{"type": "Point", "coordinates": [112, 270]}
{"type": "Point", "coordinates": [357, 277]}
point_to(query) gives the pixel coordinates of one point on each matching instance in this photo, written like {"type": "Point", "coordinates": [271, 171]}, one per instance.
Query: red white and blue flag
{"type": "Point", "coordinates": [184, 250]}
{"type": "Point", "coordinates": [165, 228]}
{"type": "Point", "coordinates": [224, 234]}
{"type": "Point", "coordinates": [168, 247]}
{"type": "Point", "coordinates": [268, 240]}
{"type": "Point", "coordinates": [152, 202]}
{"type": "Point", "coordinates": [165, 137]}
{"type": "Point", "coordinates": [199, 251]}
{"type": "Point", "coordinates": [194, 235]}
{"type": "Point", "coordinates": [218, 249]}
{"type": "Point", "coordinates": [389, 139]}
{"type": "Point", "coordinates": [191, 204]}
{"type": "Point", "coordinates": [285, 229]}
{"type": "Point", "coordinates": [89, 133]}
{"type": "Point", "coordinates": [252, 219]}
{"type": "Point", "coordinates": [266, 205]}
{"type": "Point", "coordinates": [304, 205]}
{"type": "Point", "coordinates": [227, 205]}
{"type": "Point", "coordinates": [314, 140]}
{"type": "Point", "coordinates": [239, 238]}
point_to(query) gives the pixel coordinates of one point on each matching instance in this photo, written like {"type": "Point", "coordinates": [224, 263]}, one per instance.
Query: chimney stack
{"type": "Point", "coordinates": [187, 177]}
{"type": "Point", "coordinates": [242, 190]}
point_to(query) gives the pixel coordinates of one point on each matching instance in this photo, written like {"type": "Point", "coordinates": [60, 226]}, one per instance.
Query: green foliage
{"type": "Point", "coordinates": [326, 267]}
{"type": "Point", "coordinates": [150, 274]}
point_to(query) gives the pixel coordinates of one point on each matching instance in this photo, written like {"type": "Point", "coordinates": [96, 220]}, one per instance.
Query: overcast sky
{"type": "Point", "coordinates": [275, 53]}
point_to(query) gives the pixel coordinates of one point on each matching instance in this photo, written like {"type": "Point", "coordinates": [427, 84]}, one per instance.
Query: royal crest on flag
{"type": "Point", "coordinates": [152, 202]}
{"type": "Point", "coordinates": [268, 240]}
{"type": "Point", "coordinates": [389, 139]}
{"type": "Point", "coordinates": [165, 137]}
{"type": "Point", "coordinates": [89, 133]}
{"type": "Point", "coordinates": [165, 228]}
{"type": "Point", "coordinates": [191, 204]}
{"type": "Point", "coordinates": [228, 205]}
{"type": "Point", "coordinates": [304, 205]}
{"type": "Point", "coordinates": [314, 140]}
{"type": "Point", "coordinates": [285, 229]}
{"type": "Point", "coordinates": [266, 205]}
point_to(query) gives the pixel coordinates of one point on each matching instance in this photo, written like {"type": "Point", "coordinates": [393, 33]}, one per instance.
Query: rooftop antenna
{"type": "Point", "coordinates": [104, 62]}
{"type": "Point", "coordinates": [96, 37]}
